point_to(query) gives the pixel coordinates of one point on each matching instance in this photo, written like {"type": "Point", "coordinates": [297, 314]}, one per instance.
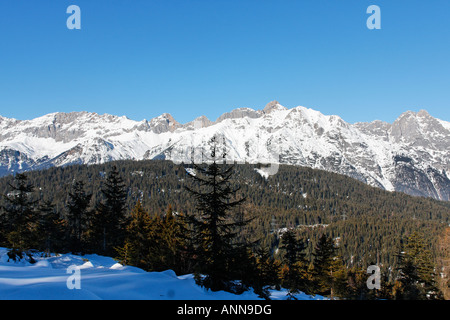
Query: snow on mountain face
{"type": "Point", "coordinates": [411, 155]}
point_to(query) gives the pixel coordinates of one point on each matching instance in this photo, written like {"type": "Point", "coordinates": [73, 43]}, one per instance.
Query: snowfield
{"type": "Point", "coordinates": [102, 278]}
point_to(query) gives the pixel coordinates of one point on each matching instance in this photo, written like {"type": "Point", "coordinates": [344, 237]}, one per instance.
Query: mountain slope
{"type": "Point", "coordinates": [411, 155]}
{"type": "Point", "coordinates": [370, 222]}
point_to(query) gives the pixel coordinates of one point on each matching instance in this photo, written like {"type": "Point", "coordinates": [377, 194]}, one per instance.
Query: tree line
{"type": "Point", "coordinates": [29, 222]}
{"type": "Point", "coordinates": [366, 220]}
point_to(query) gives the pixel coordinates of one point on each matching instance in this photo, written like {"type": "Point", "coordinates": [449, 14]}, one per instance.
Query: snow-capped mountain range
{"type": "Point", "coordinates": [411, 155]}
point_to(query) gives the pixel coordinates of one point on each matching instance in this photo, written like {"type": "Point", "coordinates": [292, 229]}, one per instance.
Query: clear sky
{"type": "Point", "coordinates": [141, 58]}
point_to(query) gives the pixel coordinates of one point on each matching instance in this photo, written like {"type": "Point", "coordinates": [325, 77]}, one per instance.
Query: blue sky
{"type": "Point", "coordinates": [142, 58]}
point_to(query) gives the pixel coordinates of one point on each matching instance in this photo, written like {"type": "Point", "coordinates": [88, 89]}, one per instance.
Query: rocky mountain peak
{"type": "Point", "coordinates": [273, 105]}
{"type": "Point", "coordinates": [238, 114]}
{"type": "Point", "coordinates": [198, 123]}
{"type": "Point", "coordinates": [164, 123]}
{"type": "Point", "coordinates": [423, 113]}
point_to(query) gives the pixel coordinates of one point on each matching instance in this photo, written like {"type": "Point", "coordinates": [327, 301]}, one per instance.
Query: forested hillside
{"type": "Point", "coordinates": [368, 225]}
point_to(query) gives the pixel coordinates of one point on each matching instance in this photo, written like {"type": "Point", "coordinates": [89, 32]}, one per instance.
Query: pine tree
{"type": "Point", "coordinates": [136, 248]}
{"type": "Point", "coordinates": [51, 228]}
{"type": "Point", "coordinates": [339, 278]}
{"type": "Point", "coordinates": [357, 285]}
{"type": "Point", "coordinates": [416, 272]}
{"type": "Point", "coordinates": [78, 215]}
{"type": "Point", "coordinates": [266, 273]}
{"type": "Point", "coordinates": [108, 223]}
{"type": "Point", "coordinates": [171, 244]}
{"type": "Point", "coordinates": [295, 275]}
{"type": "Point", "coordinates": [21, 216]}
{"type": "Point", "coordinates": [214, 231]}
{"type": "Point", "coordinates": [124, 253]}
{"type": "Point", "coordinates": [322, 265]}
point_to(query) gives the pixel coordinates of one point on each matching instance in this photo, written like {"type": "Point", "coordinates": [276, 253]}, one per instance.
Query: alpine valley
{"type": "Point", "coordinates": [410, 155]}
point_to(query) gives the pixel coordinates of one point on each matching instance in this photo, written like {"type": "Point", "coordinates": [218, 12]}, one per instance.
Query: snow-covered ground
{"type": "Point", "coordinates": [88, 277]}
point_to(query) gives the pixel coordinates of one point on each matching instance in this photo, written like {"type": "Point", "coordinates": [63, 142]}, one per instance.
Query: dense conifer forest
{"type": "Point", "coordinates": [304, 229]}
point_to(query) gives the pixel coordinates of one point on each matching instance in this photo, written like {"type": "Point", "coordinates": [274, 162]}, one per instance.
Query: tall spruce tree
{"type": "Point", "coordinates": [171, 243]}
{"type": "Point", "coordinates": [295, 274]}
{"type": "Point", "coordinates": [339, 278]}
{"type": "Point", "coordinates": [136, 248]}
{"type": "Point", "coordinates": [266, 273]}
{"type": "Point", "coordinates": [21, 214]}
{"type": "Point", "coordinates": [51, 228]}
{"type": "Point", "coordinates": [322, 265]}
{"type": "Point", "coordinates": [109, 220]}
{"type": "Point", "coordinates": [214, 231]}
{"type": "Point", "coordinates": [357, 285]}
{"type": "Point", "coordinates": [416, 272]}
{"type": "Point", "coordinates": [78, 214]}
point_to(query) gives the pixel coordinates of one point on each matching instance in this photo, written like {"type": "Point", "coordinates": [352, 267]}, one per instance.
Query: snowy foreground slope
{"type": "Point", "coordinates": [103, 278]}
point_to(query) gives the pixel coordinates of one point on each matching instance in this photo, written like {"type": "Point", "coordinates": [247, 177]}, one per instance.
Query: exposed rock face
{"type": "Point", "coordinates": [164, 123]}
{"type": "Point", "coordinates": [239, 113]}
{"type": "Point", "coordinates": [273, 105]}
{"type": "Point", "coordinates": [198, 123]}
{"type": "Point", "coordinates": [411, 155]}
